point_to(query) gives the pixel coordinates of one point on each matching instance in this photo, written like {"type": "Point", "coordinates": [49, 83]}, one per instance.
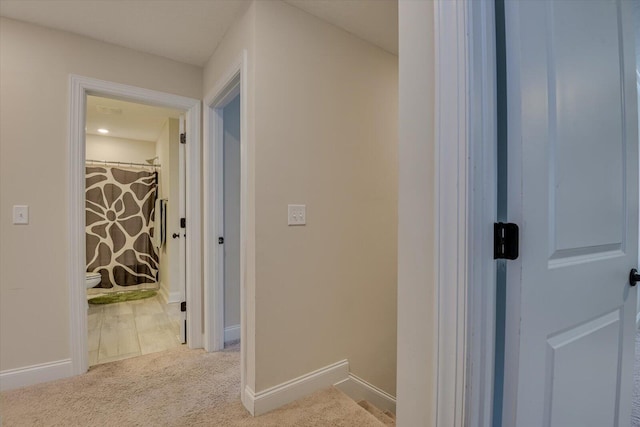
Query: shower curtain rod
{"type": "Point", "coordinates": [105, 162]}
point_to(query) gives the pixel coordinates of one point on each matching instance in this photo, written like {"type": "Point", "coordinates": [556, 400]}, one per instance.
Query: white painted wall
{"type": "Point", "coordinates": [100, 147]}
{"type": "Point", "coordinates": [416, 240]}
{"type": "Point", "coordinates": [231, 142]}
{"type": "Point", "coordinates": [167, 148]}
{"type": "Point", "coordinates": [35, 64]}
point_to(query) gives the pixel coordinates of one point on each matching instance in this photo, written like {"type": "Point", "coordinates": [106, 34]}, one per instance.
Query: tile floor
{"type": "Point", "coordinates": [132, 328]}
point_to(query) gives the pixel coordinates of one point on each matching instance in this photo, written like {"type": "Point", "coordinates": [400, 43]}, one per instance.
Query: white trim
{"type": "Point", "coordinates": [75, 226]}
{"type": "Point", "coordinates": [277, 396]}
{"type": "Point", "coordinates": [232, 333]}
{"type": "Point", "coordinates": [35, 374]}
{"type": "Point", "coordinates": [358, 389]}
{"type": "Point", "coordinates": [452, 183]}
{"type": "Point", "coordinates": [223, 92]}
{"type": "Point", "coordinates": [225, 89]}
{"type": "Point", "coordinates": [482, 208]}
{"type": "Point", "coordinates": [638, 297]}
{"type": "Point", "coordinates": [79, 88]}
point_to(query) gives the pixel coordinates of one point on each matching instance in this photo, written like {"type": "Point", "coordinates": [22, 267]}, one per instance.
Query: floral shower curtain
{"type": "Point", "coordinates": [119, 225]}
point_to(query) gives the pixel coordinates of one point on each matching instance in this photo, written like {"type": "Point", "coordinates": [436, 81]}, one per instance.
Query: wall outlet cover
{"type": "Point", "coordinates": [21, 214]}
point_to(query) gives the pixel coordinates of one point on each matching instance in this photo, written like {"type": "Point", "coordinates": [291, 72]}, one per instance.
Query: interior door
{"type": "Point", "coordinates": [573, 190]}
{"type": "Point", "coordinates": [182, 203]}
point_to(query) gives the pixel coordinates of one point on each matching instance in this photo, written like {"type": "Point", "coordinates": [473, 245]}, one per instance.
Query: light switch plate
{"type": "Point", "coordinates": [20, 214]}
{"type": "Point", "coordinates": [297, 214]}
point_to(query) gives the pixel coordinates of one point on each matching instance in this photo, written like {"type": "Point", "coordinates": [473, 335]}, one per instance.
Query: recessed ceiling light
{"type": "Point", "coordinates": [104, 131]}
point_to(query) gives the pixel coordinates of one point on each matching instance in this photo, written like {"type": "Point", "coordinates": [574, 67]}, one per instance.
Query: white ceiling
{"type": "Point", "coordinates": [126, 119]}
{"type": "Point", "coordinates": [190, 30]}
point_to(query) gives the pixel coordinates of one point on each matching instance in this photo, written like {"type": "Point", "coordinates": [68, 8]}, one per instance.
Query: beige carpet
{"type": "Point", "coordinates": [177, 387]}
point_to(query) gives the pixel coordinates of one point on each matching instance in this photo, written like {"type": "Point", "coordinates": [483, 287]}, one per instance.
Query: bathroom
{"type": "Point", "coordinates": [134, 196]}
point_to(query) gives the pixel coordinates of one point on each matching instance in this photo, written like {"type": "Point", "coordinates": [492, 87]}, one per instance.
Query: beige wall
{"type": "Point", "coordinates": [326, 136]}
{"type": "Point", "coordinates": [35, 64]}
{"type": "Point", "coordinates": [167, 148]}
{"type": "Point", "coordinates": [100, 147]}
{"type": "Point", "coordinates": [416, 242]}
{"type": "Point", "coordinates": [321, 130]}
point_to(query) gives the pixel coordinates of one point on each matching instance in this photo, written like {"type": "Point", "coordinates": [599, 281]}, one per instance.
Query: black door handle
{"type": "Point", "coordinates": [634, 277]}
{"type": "Point", "coordinates": [175, 235]}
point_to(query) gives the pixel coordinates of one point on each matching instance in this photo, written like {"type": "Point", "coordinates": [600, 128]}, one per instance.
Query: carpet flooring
{"type": "Point", "coordinates": [178, 387]}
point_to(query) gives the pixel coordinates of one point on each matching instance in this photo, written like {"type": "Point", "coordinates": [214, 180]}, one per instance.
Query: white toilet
{"type": "Point", "coordinates": [92, 279]}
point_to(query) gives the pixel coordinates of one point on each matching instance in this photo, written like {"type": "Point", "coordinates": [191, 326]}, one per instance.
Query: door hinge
{"type": "Point", "coordinates": [183, 306]}
{"type": "Point", "coordinates": [183, 222]}
{"type": "Point", "coordinates": [505, 240]}
{"type": "Point", "coordinates": [220, 240]}
{"type": "Point", "coordinates": [183, 138]}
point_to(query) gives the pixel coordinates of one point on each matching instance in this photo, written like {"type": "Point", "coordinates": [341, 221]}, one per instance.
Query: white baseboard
{"type": "Point", "coordinates": [277, 396]}
{"type": "Point", "coordinates": [358, 389]}
{"type": "Point", "coordinates": [35, 374]}
{"type": "Point", "coordinates": [232, 333]}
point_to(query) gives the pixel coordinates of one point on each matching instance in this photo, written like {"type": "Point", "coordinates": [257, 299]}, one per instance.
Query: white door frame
{"type": "Point", "coordinates": [80, 87]}
{"type": "Point", "coordinates": [232, 83]}
{"type": "Point", "coordinates": [638, 98]}
{"type": "Point", "coordinates": [465, 199]}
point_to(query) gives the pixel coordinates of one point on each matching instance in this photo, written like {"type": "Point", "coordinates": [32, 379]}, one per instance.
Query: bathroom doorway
{"type": "Point", "coordinates": [80, 88]}
{"type": "Point", "coordinates": [135, 245]}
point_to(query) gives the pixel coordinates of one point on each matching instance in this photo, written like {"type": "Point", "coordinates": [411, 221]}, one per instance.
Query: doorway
{"type": "Point", "coordinates": [225, 121]}
{"type": "Point", "coordinates": [231, 220]}
{"type": "Point", "coordinates": [80, 89]}
{"type": "Point", "coordinates": [225, 180]}
{"type": "Point", "coordinates": [134, 199]}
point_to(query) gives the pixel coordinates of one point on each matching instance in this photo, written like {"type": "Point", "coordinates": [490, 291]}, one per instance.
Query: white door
{"type": "Point", "coordinates": [182, 203]}
{"type": "Point", "coordinates": [573, 189]}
